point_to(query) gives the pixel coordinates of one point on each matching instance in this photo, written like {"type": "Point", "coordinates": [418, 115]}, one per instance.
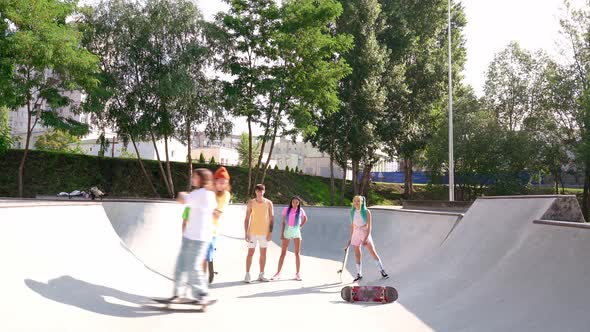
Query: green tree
{"type": "Point", "coordinates": [287, 168]}
{"type": "Point", "coordinates": [42, 58]}
{"type": "Point", "coordinates": [573, 80]}
{"type": "Point", "coordinates": [478, 146]}
{"type": "Point", "coordinates": [112, 30]}
{"type": "Point", "coordinates": [417, 79]}
{"type": "Point", "coordinates": [244, 149]}
{"type": "Point", "coordinates": [5, 136]}
{"type": "Point", "coordinates": [57, 140]}
{"type": "Point", "coordinates": [362, 92]}
{"type": "Point", "coordinates": [514, 93]}
{"type": "Point", "coordinates": [512, 89]}
{"type": "Point", "coordinates": [244, 37]}
{"type": "Point", "coordinates": [304, 83]}
{"type": "Point", "coordinates": [202, 158]}
{"type": "Point", "coordinates": [212, 161]}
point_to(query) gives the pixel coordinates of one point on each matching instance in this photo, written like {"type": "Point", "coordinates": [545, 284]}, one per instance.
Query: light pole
{"type": "Point", "coordinates": [451, 159]}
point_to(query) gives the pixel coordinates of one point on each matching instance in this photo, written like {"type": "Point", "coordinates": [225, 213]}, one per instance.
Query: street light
{"type": "Point", "coordinates": [451, 159]}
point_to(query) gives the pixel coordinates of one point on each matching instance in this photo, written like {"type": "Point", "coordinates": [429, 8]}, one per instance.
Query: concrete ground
{"type": "Point", "coordinates": [90, 266]}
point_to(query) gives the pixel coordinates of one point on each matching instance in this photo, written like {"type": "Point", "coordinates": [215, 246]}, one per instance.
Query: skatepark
{"type": "Point", "coordinates": [507, 264]}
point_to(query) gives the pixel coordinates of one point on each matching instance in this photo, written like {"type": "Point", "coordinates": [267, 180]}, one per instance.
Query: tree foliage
{"type": "Point", "coordinates": [42, 59]}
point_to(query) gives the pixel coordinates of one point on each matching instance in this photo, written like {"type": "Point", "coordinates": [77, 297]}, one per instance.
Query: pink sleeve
{"type": "Point", "coordinates": [284, 212]}
{"type": "Point", "coordinates": [303, 213]}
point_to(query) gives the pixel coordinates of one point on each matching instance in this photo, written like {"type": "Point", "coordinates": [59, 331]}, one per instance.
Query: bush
{"type": "Point", "coordinates": [202, 158]}
{"type": "Point", "coordinates": [212, 161]}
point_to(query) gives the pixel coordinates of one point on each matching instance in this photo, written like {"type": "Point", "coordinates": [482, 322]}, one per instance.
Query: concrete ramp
{"type": "Point", "coordinates": [499, 271]}
{"type": "Point", "coordinates": [507, 264]}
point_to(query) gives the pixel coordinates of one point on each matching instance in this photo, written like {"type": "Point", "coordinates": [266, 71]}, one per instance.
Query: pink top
{"type": "Point", "coordinates": [291, 222]}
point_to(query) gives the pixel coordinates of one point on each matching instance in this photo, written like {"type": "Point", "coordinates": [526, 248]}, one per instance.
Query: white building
{"type": "Point", "coordinates": [303, 156]}
{"type": "Point", "coordinates": [89, 144]}
{"type": "Point", "coordinates": [18, 120]}
{"type": "Point", "coordinates": [225, 151]}
{"type": "Point", "coordinates": [177, 151]}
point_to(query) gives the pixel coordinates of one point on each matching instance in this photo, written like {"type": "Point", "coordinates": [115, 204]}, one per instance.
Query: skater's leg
{"type": "Point", "coordinates": [297, 249]}
{"type": "Point", "coordinates": [284, 247]}
{"type": "Point", "coordinates": [262, 259]}
{"type": "Point", "coordinates": [373, 252]}
{"type": "Point", "coordinates": [249, 259]}
{"type": "Point", "coordinates": [197, 278]}
{"type": "Point", "coordinates": [358, 259]}
{"type": "Point", "coordinates": [180, 267]}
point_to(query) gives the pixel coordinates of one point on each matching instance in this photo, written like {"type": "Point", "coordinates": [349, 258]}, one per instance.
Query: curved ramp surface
{"type": "Point", "coordinates": [92, 267]}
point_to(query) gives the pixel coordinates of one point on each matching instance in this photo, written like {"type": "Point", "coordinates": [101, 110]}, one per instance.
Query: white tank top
{"type": "Point", "coordinates": [358, 220]}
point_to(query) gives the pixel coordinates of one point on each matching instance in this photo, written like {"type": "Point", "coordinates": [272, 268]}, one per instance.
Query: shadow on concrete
{"type": "Point", "coordinates": [321, 289]}
{"type": "Point", "coordinates": [91, 297]}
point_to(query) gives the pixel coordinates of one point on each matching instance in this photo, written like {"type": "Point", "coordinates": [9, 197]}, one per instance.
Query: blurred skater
{"type": "Point", "coordinates": [197, 234]}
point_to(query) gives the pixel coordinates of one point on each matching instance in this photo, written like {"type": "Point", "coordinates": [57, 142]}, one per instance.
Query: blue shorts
{"type": "Point", "coordinates": [211, 249]}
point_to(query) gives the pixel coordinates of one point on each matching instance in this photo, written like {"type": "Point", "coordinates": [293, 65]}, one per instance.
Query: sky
{"type": "Point", "coordinates": [491, 26]}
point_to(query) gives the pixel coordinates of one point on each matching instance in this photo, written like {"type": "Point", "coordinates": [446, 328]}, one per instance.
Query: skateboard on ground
{"type": "Point", "coordinates": [188, 302]}
{"type": "Point", "coordinates": [380, 294]}
{"type": "Point", "coordinates": [341, 271]}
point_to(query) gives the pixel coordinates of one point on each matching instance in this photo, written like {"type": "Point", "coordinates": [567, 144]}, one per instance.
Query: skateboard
{"type": "Point", "coordinates": [381, 294]}
{"type": "Point", "coordinates": [188, 302]}
{"type": "Point", "coordinates": [341, 271]}
{"type": "Point", "coordinates": [211, 271]}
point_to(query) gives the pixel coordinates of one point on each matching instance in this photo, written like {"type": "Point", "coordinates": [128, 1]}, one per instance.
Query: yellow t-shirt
{"type": "Point", "coordinates": [222, 202]}
{"type": "Point", "coordinates": [259, 219]}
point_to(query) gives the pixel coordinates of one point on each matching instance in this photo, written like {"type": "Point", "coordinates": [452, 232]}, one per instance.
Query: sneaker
{"type": "Point", "coordinates": [277, 276]}
{"type": "Point", "coordinates": [262, 278]}
{"type": "Point", "coordinates": [297, 277]}
{"type": "Point", "coordinates": [384, 275]}
{"type": "Point", "coordinates": [247, 278]}
{"type": "Point", "coordinates": [358, 277]}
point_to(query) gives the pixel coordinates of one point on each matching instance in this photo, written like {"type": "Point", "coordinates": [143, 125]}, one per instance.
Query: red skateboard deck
{"type": "Point", "coordinates": [379, 294]}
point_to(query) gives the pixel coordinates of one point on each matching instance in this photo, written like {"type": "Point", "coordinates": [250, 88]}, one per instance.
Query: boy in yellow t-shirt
{"type": "Point", "coordinates": [258, 226]}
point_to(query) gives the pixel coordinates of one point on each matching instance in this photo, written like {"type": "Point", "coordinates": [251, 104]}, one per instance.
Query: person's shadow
{"type": "Point", "coordinates": [91, 297]}
{"type": "Point", "coordinates": [320, 289]}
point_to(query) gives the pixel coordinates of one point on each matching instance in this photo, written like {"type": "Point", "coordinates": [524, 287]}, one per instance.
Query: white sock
{"type": "Point", "coordinates": [379, 264]}
{"type": "Point", "coordinates": [359, 269]}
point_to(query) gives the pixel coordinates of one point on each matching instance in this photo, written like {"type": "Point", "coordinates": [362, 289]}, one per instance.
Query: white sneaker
{"type": "Point", "coordinates": [247, 278]}
{"type": "Point", "coordinates": [262, 278]}
{"type": "Point", "coordinates": [277, 276]}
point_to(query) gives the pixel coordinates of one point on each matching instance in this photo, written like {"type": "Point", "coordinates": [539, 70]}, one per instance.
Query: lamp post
{"type": "Point", "coordinates": [451, 158]}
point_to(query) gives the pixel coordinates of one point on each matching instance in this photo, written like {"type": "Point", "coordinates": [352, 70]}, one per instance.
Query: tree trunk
{"type": "Point", "coordinates": [263, 146]}
{"type": "Point", "coordinates": [168, 170]}
{"type": "Point", "coordinates": [21, 167]}
{"type": "Point", "coordinates": [343, 185]}
{"type": "Point", "coordinates": [366, 180]}
{"type": "Point", "coordinates": [585, 196]}
{"type": "Point", "coordinates": [189, 157]}
{"type": "Point", "coordinates": [355, 177]}
{"type": "Point", "coordinates": [408, 184]}
{"type": "Point", "coordinates": [249, 157]}
{"type": "Point", "coordinates": [145, 173]}
{"type": "Point", "coordinates": [272, 146]}
{"type": "Point", "coordinates": [162, 172]}
{"type": "Point", "coordinates": [332, 185]}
